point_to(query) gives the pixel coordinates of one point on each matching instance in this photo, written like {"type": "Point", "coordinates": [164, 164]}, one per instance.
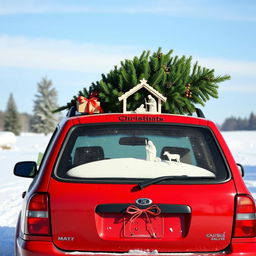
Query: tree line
{"type": "Point", "coordinates": [41, 121]}
{"type": "Point", "coordinates": [233, 123]}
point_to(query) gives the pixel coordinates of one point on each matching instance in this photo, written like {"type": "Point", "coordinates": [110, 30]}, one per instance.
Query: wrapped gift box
{"type": "Point", "coordinates": [90, 106]}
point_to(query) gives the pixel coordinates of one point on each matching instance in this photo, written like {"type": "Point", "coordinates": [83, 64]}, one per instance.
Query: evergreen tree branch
{"type": "Point", "coordinates": [183, 83]}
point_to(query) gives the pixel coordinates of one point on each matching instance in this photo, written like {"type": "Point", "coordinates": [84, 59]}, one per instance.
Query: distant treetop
{"type": "Point", "coordinates": [44, 121]}
{"type": "Point", "coordinates": [11, 117]}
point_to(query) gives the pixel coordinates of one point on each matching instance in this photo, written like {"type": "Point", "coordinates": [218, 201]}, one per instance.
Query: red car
{"type": "Point", "coordinates": [136, 184]}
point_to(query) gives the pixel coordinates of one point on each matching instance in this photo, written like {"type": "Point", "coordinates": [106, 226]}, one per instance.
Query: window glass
{"type": "Point", "coordinates": [137, 151]}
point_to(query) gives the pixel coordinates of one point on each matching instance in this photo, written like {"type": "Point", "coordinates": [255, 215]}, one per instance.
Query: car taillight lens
{"type": "Point", "coordinates": [245, 221]}
{"type": "Point", "coordinates": [37, 215]}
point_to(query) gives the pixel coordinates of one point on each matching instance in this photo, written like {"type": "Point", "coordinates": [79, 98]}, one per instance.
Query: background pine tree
{"type": "Point", "coordinates": [184, 84]}
{"type": "Point", "coordinates": [252, 122]}
{"type": "Point", "coordinates": [44, 121]}
{"type": "Point", "coordinates": [11, 117]}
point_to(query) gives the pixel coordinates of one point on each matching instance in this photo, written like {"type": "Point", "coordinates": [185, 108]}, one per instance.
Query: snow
{"type": "Point", "coordinates": [7, 139]}
{"type": "Point", "coordinates": [136, 168]}
{"type": "Point", "coordinates": [24, 147]}
{"type": "Point", "coordinates": [27, 146]}
{"type": "Point", "coordinates": [130, 253]}
{"type": "Point", "coordinates": [242, 145]}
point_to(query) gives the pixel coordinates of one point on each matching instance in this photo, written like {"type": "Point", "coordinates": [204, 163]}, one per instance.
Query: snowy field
{"type": "Point", "coordinates": [27, 147]}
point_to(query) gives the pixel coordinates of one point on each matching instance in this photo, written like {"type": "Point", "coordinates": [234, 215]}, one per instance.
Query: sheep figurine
{"type": "Point", "coordinates": [171, 157]}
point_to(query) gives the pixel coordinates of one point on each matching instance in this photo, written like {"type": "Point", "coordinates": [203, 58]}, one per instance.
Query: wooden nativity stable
{"type": "Point", "coordinates": [143, 84]}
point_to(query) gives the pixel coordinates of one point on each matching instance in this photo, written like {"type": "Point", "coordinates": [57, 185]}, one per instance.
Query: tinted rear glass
{"type": "Point", "coordinates": [140, 151]}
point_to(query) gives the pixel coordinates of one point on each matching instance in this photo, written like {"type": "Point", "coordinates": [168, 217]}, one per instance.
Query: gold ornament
{"type": "Point", "coordinates": [188, 92]}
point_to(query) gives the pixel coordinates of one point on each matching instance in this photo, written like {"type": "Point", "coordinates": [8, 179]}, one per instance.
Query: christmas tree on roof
{"type": "Point", "coordinates": [183, 84]}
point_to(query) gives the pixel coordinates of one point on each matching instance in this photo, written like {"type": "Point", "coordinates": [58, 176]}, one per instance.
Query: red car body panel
{"type": "Point", "coordinates": [103, 232]}
{"type": "Point", "coordinates": [78, 227]}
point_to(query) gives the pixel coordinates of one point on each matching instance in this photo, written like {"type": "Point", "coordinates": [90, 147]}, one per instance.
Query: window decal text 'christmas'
{"type": "Point", "coordinates": [141, 119]}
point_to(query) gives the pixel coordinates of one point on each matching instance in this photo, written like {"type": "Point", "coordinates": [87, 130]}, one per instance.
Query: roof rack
{"type": "Point", "coordinates": [72, 112]}
{"type": "Point", "coordinates": [200, 113]}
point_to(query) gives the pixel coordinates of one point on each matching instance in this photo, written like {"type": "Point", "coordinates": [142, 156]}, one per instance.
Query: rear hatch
{"type": "Point", "coordinates": [92, 217]}
{"type": "Point", "coordinates": [96, 203]}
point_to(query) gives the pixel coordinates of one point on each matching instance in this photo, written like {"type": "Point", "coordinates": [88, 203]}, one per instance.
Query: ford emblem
{"type": "Point", "coordinates": [143, 201]}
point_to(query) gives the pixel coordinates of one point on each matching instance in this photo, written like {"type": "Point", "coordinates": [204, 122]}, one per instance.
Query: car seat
{"type": "Point", "coordinates": [85, 155]}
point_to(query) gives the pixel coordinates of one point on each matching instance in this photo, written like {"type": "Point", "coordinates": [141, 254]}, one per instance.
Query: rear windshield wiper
{"type": "Point", "coordinates": [147, 183]}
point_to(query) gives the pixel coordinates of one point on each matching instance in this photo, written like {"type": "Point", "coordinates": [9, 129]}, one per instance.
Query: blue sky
{"type": "Point", "coordinates": [73, 42]}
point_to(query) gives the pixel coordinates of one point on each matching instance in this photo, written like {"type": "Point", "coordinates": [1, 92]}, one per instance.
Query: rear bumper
{"type": "Point", "coordinates": [45, 248]}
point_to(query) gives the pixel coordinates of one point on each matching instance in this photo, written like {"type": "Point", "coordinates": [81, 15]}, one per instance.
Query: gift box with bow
{"type": "Point", "coordinates": [89, 106]}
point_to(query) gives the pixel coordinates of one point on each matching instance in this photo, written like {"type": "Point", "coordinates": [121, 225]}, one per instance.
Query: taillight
{"type": "Point", "coordinates": [37, 215]}
{"type": "Point", "coordinates": [245, 221]}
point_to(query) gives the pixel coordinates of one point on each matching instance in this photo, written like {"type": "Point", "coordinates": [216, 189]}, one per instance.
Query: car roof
{"type": "Point", "coordinates": [135, 118]}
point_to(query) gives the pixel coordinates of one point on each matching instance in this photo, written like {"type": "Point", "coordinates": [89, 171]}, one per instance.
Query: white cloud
{"type": "Point", "coordinates": [243, 73]}
{"type": "Point", "coordinates": [59, 54]}
{"type": "Point", "coordinates": [231, 86]}
{"type": "Point", "coordinates": [232, 67]}
{"type": "Point", "coordinates": [66, 55]}
{"type": "Point", "coordinates": [233, 11]}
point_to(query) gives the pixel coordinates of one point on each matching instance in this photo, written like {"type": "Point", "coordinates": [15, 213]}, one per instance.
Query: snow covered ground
{"type": "Point", "coordinates": [242, 145]}
{"type": "Point", "coordinates": [27, 146]}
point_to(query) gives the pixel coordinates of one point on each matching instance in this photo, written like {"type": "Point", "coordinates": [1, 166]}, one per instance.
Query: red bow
{"type": "Point", "coordinates": [90, 102]}
{"type": "Point", "coordinates": [136, 212]}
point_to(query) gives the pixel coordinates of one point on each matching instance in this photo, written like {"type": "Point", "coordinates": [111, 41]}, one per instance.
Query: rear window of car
{"type": "Point", "coordinates": [127, 152]}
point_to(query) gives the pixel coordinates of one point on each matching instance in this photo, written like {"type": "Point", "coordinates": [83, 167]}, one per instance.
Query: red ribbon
{"type": "Point", "coordinates": [90, 102]}
{"type": "Point", "coordinates": [136, 212]}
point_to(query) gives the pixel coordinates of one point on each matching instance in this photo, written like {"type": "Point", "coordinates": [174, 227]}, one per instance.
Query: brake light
{"type": "Point", "coordinates": [37, 215]}
{"type": "Point", "coordinates": [245, 221]}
